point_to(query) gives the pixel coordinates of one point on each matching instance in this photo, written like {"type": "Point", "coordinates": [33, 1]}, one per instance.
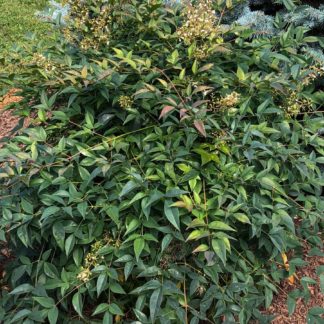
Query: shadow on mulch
{"type": "Point", "coordinates": [279, 304]}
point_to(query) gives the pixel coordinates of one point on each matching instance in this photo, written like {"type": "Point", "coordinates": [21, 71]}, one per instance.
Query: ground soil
{"type": "Point", "coordinates": [7, 119]}
{"type": "Point", "coordinates": [279, 304]}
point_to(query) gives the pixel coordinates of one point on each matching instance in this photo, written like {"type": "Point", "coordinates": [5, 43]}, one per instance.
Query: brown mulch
{"type": "Point", "coordinates": [279, 303]}
{"type": "Point", "coordinates": [10, 97]}
{"type": "Point", "coordinates": [7, 119]}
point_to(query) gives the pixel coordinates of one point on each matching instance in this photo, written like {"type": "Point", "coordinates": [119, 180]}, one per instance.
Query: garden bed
{"type": "Point", "coordinates": [172, 174]}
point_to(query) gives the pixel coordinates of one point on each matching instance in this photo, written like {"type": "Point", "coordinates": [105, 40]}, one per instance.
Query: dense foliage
{"type": "Point", "coordinates": [168, 169]}
{"type": "Point", "coordinates": [262, 15]}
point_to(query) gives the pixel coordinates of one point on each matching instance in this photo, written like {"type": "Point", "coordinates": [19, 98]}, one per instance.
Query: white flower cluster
{"type": "Point", "coordinates": [200, 22]}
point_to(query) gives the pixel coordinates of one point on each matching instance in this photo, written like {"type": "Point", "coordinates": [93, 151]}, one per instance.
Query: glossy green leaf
{"type": "Point", "coordinates": [77, 303]}
{"type": "Point", "coordinates": [155, 303]}
{"type": "Point", "coordinates": [46, 302]}
{"type": "Point", "coordinates": [52, 315]}
{"type": "Point", "coordinates": [101, 283]}
{"type": "Point", "coordinates": [115, 309]}
{"type": "Point", "coordinates": [220, 249]}
{"type": "Point", "coordinates": [217, 225]}
{"type": "Point", "coordinates": [139, 245]}
{"type": "Point", "coordinates": [172, 214]}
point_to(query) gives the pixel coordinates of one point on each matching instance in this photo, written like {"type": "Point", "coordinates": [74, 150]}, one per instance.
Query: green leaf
{"type": "Point", "coordinates": [128, 269]}
{"type": "Point", "coordinates": [291, 304]}
{"type": "Point", "coordinates": [195, 67]}
{"type": "Point", "coordinates": [197, 234]}
{"type": "Point", "coordinates": [50, 270]}
{"type": "Point", "coordinates": [46, 302]}
{"type": "Point", "coordinates": [59, 234]}
{"type": "Point", "coordinates": [27, 206]}
{"type": "Point", "coordinates": [101, 283]}
{"type": "Point", "coordinates": [182, 74]}
{"type": "Point", "coordinates": [206, 156]}
{"type": "Point", "coordinates": [114, 309]}
{"type": "Point", "coordinates": [22, 289]}
{"type": "Point", "coordinates": [242, 218]}
{"type": "Point", "coordinates": [49, 211]}
{"type": "Point", "coordinates": [84, 173]}
{"type": "Point", "coordinates": [23, 234]}
{"type": "Point", "coordinates": [69, 244]}
{"type": "Point", "coordinates": [85, 151]}
{"type": "Point", "coordinates": [82, 208]}
{"type": "Point", "coordinates": [108, 319]}
{"type": "Point", "coordinates": [117, 288]}
{"type": "Point", "coordinates": [166, 242]}
{"type": "Point", "coordinates": [138, 196]}
{"type": "Point", "coordinates": [217, 225]}
{"type": "Point", "coordinates": [220, 249]}
{"type": "Point", "coordinates": [134, 223]}
{"type": "Point", "coordinates": [53, 315]}
{"type": "Point", "coordinates": [269, 183]}
{"type": "Point", "coordinates": [172, 214]}
{"type": "Point", "coordinates": [139, 245]}
{"type": "Point", "coordinates": [289, 4]}
{"type": "Point", "coordinates": [77, 256]}
{"type": "Point", "coordinates": [129, 186]}
{"type": "Point", "coordinates": [130, 62]}
{"type": "Point", "coordinates": [268, 297]}
{"type": "Point", "coordinates": [316, 311]}
{"type": "Point", "coordinates": [240, 73]}
{"type": "Point", "coordinates": [20, 315]}
{"type": "Point", "coordinates": [141, 316]}
{"type": "Point", "coordinates": [113, 213]}
{"type": "Point", "coordinates": [201, 248]}
{"type": "Point", "coordinates": [155, 303]}
{"type": "Point", "coordinates": [77, 303]}
{"type": "Point", "coordinates": [295, 70]}
{"type": "Point", "coordinates": [101, 308]}
{"type": "Point", "coordinates": [120, 53]}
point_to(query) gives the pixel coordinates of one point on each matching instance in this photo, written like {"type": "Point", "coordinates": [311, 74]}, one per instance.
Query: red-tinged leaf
{"type": "Point", "coordinates": [183, 113]}
{"type": "Point", "coordinates": [200, 127]}
{"type": "Point", "coordinates": [198, 103]}
{"type": "Point", "coordinates": [166, 110]}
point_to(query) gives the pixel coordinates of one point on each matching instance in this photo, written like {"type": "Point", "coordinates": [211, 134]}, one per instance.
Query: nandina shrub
{"type": "Point", "coordinates": [167, 173]}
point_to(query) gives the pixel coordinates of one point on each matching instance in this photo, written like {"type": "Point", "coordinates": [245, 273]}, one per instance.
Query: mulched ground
{"type": "Point", "coordinates": [7, 120]}
{"type": "Point", "coordinates": [279, 306]}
